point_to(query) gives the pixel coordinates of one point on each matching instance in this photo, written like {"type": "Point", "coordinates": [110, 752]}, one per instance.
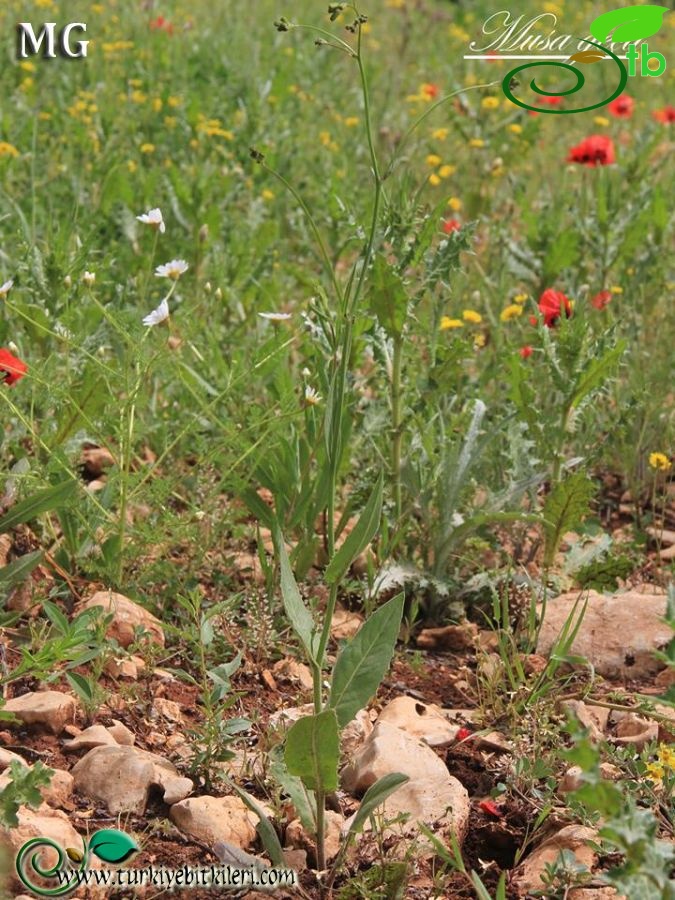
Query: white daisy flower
{"type": "Point", "coordinates": [312, 398]}
{"type": "Point", "coordinates": [275, 316]}
{"type": "Point", "coordinates": [173, 269]}
{"type": "Point", "coordinates": [6, 288]}
{"type": "Point", "coordinates": [89, 278]}
{"type": "Point", "coordinates": [154, 219]}
{"type": "Point", "coordinates": [159, 315]}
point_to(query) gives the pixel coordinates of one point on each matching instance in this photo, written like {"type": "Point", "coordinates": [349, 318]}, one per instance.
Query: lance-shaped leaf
{"type": "Point", "coordinates": [265, 829]}
{"type": "Point", "coordinates": [298, 614]}
{"type": "Point", "coordinates": [375, 795]}
{"type": "Point", "coordinates": [631, 23]}
{"type": "Point", "coordinates": [312, 751]}
{"type": "Point", "coordinates": [364, 660]}
{"type": "Point", "coordinates": [112, 846]}
{"type": "Point", "coordinates": [18, 570]}
{"type": "Point", "coordinates": [359, 538]}
{"type": "Point", "coordinates": [42, 502]}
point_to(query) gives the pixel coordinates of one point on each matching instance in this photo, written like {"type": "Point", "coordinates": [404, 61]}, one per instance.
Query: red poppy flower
{"type": "Point", "coordinates": [665, 115]}
{"type": "Point", "coordinates": [450, 225]}
{"type": "Point", "coordinates": [11, 368]}
{"type": "Point", "coordinates": [601, 300]}
{"type": "Point", "coordinates": [551, 304]}
{"type": "Point", "coordinates": [431, 90]}
{"type": "Point", "coordinates": [596, 150]}
{"type": "Point", "coordinates": [161, 24]}
{"type": "Point", "coordinates": [622, 107]}
{"type": "Point", "coordinates": [526, 352]}
{"type": "Point", "coordinates": [553, 100]}
{"type": "Point", "coordinates": [534, 320]}
{"type": "Point", "coordinates": [491, 808]}
{"type": "Point", "coordinates": [463, 734]}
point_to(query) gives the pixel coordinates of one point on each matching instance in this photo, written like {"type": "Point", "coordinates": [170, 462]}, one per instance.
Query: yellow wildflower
{"type": "Point", "coordinates": [489, 102]}
{"type": "Point", "coordinates": [267, 194]}
{"type": "Point", "coordinates": [440, 134]}
{"type": "Point", "coordinates": [477, 143]}
{"type": "Point", "coordinates": [470, 315]}
{"type": "Point", "coordinates": [434, 179]}
{"type": "Point", "coordinates": [447, 170]}
{"type": "Point", "coordinates": [147, 148]}
{"type": "Point", "coordinates": [455, 204]}
{"type": "Point", "coordinates": [602, 121]}
{"type": "Point", "coordinates": [515, 128]}
{"type": "Point", "coordinates": [447, 323]}
{"type": "Point", "coordinates": [8, 149]}
{"type": "Point", "coordinates": [660, 462]}
{"type": "Point", "coordinates": [351, 121]}
{"type": "Point", "coordinates": [616, 289]}
{"type": "Point", "coordinates": [511, 312]}
{"type": "Point", "coordinates": [433, 160]}
{"type": "Point", "coordinates": [520, 298]}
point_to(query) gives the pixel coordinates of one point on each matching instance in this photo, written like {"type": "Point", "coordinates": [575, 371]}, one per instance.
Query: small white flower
{"type": "Point", "coordinates": [173, 269]}
{"type": "Point", "coordinates": [159, 315]}
{"type": "Point", "coordinates": [305, 372]}
{"type": "Point", "coordinates": [68, 281]}
{"type": "Point", "coordinates": [6, 288]}
{"type": "Point", "coordinates": [312, 398]}
{"type": "Point", "coordinates": [154, 219]}
{"type": "Point", "coordinates": [218, 294]}
{"type": "Point", "coordinates": [89, 278]}
{"type": "Point", "coordinates": [12, 347]}
{"type": "Point", "coordinates": [275, 316]}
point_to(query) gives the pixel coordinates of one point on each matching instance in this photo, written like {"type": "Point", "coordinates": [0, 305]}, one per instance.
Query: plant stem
{"type": "Point", "coordinates": [396, 430]}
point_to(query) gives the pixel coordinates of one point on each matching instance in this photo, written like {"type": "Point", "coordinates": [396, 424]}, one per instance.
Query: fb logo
{"type": "Point", "coordinates": [29, 44]}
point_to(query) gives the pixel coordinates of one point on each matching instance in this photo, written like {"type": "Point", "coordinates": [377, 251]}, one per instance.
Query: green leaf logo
{"type": "Point", "coordinates": [632, 23]}
{"type": "Point", "coordinates": [112, 846]}
{"type": "Point", "coordinates": [587, 57]}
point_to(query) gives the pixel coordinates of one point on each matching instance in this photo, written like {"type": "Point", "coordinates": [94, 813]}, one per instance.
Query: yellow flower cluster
{"type": "Point", "coordinates": [665, 760]}
{"type": "Point", "coordinates": [327, 141]}
{"type": "Point", "coordinates": [443, 170]}
{"type": "Point", "coordinates": [114, 48]}
{"type": "Point", "coordinates": [8, 149]}
{"type": "Point", "coordinates": [660, 462]}
{"type": "Point", "coordinates": [511, 312]}
{"type": "Point", "coordinates": [213, 128]}
{"type": "Point", "coordinates": [83, 108]}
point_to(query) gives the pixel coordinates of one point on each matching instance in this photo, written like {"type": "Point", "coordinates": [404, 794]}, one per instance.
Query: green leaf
{"type": "Point", "coordinates": [312, 751]}
{"type": "Point", "coordinates": [359, 538]}
{"type": "Point", "coordinates": [112, 846]}
{"type": "Point", "coordinates": [631, 23]}
{"type": "Point", "coordinates": [364, 660]}
{"type": "Point", "coordinates": [298, 614]}
{"type": "Point", "coordinates": [39, 503]}
{"type": "Point", "coordinates": [268, 835]}
{"type": "Point", "coordinates": [302, 799]}
{"type": "Point", "coordinates": [562, 254]}
{"type": "Point", "coordinates": [388, 298]}
{"type": "Point", "coordinates": [18, 570]}
{"type": "Point", "coordinates": [375, 795]}
{"type": "Point", "coordinates": [56, 617]}
{"type": "Point", "coordinates": [564, 508]}
{"type": "Point", "coordinates": [595, 374]}
{"type": "Point", "coordinates": [81, 686]}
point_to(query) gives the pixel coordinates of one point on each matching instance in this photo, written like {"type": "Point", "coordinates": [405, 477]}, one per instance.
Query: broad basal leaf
{"type": "Point", "coordinates": [312, 751]}
{"type": "Point", "coordinates": [364, 660]}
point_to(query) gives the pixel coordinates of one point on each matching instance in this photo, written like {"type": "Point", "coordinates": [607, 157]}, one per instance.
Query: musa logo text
{"type": "Point", "coordinates": [615, 36]}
